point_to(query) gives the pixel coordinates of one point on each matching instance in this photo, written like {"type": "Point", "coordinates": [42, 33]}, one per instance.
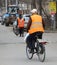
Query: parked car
{"type": "Point", "coordinates": [4, 17]}
{"type": "Point", "coordinates": [10, 15]}
{"type": "Point", "coordinates": [26, 18]}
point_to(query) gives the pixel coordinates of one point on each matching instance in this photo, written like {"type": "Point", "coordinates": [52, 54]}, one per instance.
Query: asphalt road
{"type": "Point", "coordinates": [12, 49]}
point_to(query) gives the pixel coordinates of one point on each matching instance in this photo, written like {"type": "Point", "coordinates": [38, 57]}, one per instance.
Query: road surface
{"type": "Point", "coordinates": [12, 49]}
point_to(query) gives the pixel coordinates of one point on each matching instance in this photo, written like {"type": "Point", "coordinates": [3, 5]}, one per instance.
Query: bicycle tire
{"type": "Point", "coordinates": [28, 53]}
{"type": "Point", "coordinates": [41, 56]}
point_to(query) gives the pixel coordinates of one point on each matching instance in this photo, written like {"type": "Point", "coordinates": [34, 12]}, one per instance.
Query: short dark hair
{"type": "Point", "coordinates": [20, 16]}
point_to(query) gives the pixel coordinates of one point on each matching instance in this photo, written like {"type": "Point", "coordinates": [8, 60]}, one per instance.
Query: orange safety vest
{"type": "Point", "coordinates": [20, 22]}
{"type": "Point", "coordinates": [36, 24]}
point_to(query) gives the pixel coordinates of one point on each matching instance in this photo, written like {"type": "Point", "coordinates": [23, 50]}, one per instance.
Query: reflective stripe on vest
{"type": "Point", "coordinates": [36, 24]}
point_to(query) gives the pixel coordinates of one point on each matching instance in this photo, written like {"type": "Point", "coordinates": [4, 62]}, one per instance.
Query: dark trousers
{"type": "Point", "coordinates": [21, 31]}
{"type": "Point", "coordinates": [31, 39]}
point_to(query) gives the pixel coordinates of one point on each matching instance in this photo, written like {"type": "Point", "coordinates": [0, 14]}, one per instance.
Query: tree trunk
{"type": "Point", "coordinates": [33, 4]}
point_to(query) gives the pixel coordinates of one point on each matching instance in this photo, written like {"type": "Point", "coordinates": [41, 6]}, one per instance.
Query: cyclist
{"type": "Point", "coordinates": [35, 26]}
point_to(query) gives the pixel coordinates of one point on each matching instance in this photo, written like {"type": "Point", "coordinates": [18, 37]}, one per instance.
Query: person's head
{"type": "Point", "coordinates": [34, 11]}
{"type": "Point", "coordinates": [20, 16]}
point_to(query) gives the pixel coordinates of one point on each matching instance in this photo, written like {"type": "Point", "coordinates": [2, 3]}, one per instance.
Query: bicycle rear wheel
{"type": "Point", "coordinates": [28, 53]}
{"type": "Point", "coordinates": [41, 52]}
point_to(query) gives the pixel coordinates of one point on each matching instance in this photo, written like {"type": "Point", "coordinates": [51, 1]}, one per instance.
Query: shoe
{"type": "Point", "coordinates": [16, 34]}
{"type": "Point", "coordinates": [41, 52]}
{"type": "Point", "coordinates": [36, 49]}
{"type": "Point", "coordinates": [32, 51]}
{"type": "Point", "coordinates": [22, 35]}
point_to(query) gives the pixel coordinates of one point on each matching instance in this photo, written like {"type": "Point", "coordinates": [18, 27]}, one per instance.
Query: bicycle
{"type": "Point", "coordinates": [39, 50]}
{"type": "Point", "coordinates": [15, 28]}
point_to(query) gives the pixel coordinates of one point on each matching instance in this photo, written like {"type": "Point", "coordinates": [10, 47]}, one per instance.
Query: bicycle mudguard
{"type": "Point", "coordinates": [43, 43]}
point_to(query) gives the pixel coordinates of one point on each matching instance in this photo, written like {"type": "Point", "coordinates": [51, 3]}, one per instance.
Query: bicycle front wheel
{"type": "Point", "coordinates": [41, 52]}
{"type": "Point", "coordinates": [28, 53]}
